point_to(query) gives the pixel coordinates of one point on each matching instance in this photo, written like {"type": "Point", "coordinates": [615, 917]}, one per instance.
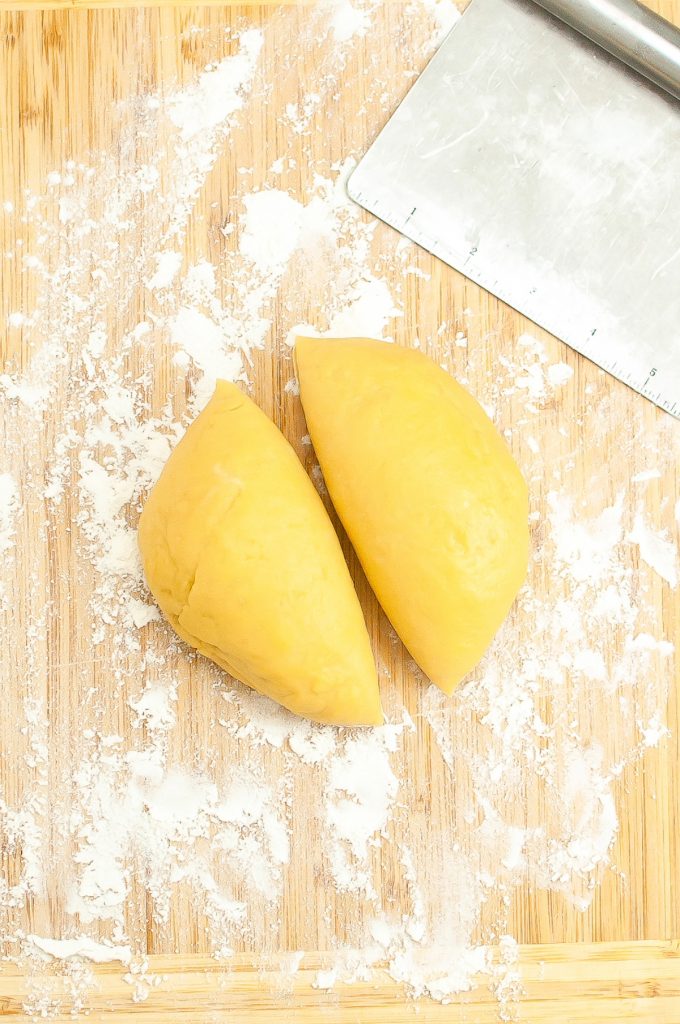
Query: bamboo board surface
{"type": "Point", "coordinates": [62, 73]}
{"type": "Point", "coordinates": [602, 983]}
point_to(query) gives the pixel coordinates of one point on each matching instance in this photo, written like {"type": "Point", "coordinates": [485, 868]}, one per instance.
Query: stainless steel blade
{"type": "Point", "coordinates": [549, 173]}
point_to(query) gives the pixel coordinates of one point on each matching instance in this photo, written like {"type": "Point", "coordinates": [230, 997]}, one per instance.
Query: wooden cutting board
{"type": "Point", "coordinates": [62, 70]}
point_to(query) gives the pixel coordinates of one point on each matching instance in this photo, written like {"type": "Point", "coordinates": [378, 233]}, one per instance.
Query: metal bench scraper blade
{"type": "Point", "coordinates": [549, 173]}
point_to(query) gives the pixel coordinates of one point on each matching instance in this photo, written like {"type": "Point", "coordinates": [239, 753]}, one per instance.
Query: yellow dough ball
{"type": "Point", "coordinates": [427, 490]}
{"type": "Point", "coordinates": [243, 560]}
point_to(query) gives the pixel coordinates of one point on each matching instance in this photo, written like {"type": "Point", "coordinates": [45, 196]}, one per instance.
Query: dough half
{"type": "Point", "coordinates": [242, 558]}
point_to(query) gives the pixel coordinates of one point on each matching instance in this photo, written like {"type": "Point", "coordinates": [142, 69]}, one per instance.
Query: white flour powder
{"type": "Point", "coordinates": [9, 508]}
{"type": "Point", "coordinates": [83, 947]}
{"type": "Point", "coordinates": [656, 550]}
{"type": "Point", "coordinates": [184, 796]}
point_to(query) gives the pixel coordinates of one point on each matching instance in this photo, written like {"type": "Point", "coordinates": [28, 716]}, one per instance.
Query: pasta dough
{"type": "Point", "coordinates": [427, 490]}
{"type": "Point", "coordinates": [242, 558]}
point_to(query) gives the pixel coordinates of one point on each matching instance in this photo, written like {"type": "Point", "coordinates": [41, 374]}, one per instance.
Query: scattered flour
{"type": "Point", "coordinates": [369, 309]}
{"type": "Point", "coordinates": [133, 807]}
{"type": "Point", "coordinates": [348, 21]}
{"type": "Point", "coordinates": [533, 374]}
{"type": "Point", "coordinates": [83, 947]}
{"type": "Point", "coordinates": [645, 475]}
{"type": "Point", "coordinates": [445, 14]}
{"type": "Point", "coordinates": [361, 789]}
{"type": "Point", "coordinates": [585, 549]}
{"type": "Point", "coordinates": [440, 973]}
{"type": "Point", "coordinates": [218, 94]}
{"type": "Point", "coordinates": [75, 294]}
{"type": "Point", "coordinates": [275, 225]}
{"type": "Point", "coordinates": [559, 373]}
{"type": "Point", "coordinates": [204, 345]}
{"type": "Point", "coordinates": [151, 815]}
{"type": "Point", "coordinates": [656, 550]}
{"type": "Point", "coordinates": [9, 506]}
{"type": "Point", "coordinates": [167, 266]}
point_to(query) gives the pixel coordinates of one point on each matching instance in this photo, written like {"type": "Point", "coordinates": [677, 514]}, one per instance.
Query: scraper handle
{"type": "Point", "coordinates": [629, 31]}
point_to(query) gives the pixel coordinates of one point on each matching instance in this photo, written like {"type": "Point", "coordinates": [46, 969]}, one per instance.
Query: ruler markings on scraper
{"type": "Point", "coordinates": [650, 383]}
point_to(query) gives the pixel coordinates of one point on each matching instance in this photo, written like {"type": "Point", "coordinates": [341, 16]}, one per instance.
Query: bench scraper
{"type": "Point", "coordinates": [534, 157]}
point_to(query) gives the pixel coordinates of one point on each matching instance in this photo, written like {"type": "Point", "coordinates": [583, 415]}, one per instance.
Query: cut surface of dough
{"type": "Point", "coordinates": [427, 490]}
{"type": "Point", "coordinates": [243, 560]}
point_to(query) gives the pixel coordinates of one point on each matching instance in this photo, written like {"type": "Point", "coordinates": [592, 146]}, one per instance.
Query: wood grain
{"type": "Point", "coordinates": [601, 983]}
{"type": "Point", "coordinates": [85, 5]}
{"type": "Point", "coordinates": [64, 72]}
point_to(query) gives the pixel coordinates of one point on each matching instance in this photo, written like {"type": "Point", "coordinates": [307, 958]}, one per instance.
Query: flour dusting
{"type": "Point", "coordinates": [362, 787]}
{"type": "Point", "coordinates": [206, 106]}
{"type": "Point", "coordinates": [9, 507]}
{"type": "Point", "coordinates": [145, 792]}
{"type": "Point", "coordinates": [660, 553]}
{"type": "Point", "coordinates": [83, 947]}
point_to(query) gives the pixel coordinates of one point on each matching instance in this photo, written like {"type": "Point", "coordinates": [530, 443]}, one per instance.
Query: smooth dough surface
{"type": "Point", "coordinates": [243, 560]}
{"type": "Point", "coordinates": [427, 490]}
